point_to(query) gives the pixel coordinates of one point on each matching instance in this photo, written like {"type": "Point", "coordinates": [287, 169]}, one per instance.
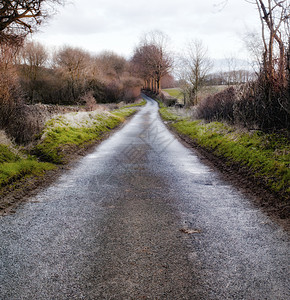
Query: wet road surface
{"type": "Point", "coordinates": [114, 227]}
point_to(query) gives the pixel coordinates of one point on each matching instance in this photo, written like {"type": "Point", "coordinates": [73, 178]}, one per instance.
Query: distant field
{"type": "Point", "coordinates": [216, 88]}
{"type": "Point", "coordinates": [205, 92]}
{"type": "Point", "coordinates": [174, 92]}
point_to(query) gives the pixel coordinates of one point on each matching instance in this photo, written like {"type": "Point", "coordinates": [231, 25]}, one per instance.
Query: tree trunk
{"type": "Point", "coordinates": [158, 84]}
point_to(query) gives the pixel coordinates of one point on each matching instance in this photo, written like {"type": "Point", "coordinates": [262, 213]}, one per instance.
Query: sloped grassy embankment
{"type": "Point", "coordinates": [65, 134]}
{"type": "Point", "coordinates": [14, 165]}
{"type": "Point", "coordinates": [265, 157]}
{"type": "Point", "coordinates": [62, 136]}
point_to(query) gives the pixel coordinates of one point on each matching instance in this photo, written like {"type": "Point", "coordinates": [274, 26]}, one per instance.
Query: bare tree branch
{"type": "Point", "coordinates": [20, 17]}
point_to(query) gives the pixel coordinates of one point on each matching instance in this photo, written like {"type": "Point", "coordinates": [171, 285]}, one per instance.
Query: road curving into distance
{"type": "Point", "coordinates": [142, 218]}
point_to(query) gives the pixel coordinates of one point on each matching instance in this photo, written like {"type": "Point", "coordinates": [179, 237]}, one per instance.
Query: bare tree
{"type": "Point", "coordinates": [161, 61]}
{"type": "Point", "coordinates": [20, 17]}
{"type": "Point", "coordinates": [140, 65]}
{"type": "Point", "coordinates": [231, 73]}
{"type": "Point", "coordinates": [153, 59]}
{"type": "Point", "coordinates": [17, 19]}
{"type": "Point", "coordinates": [196, 66]}
{"type": "Point", "coordinates": [254, 45]}
{"type": "Point", "coordinates": [271, 90]}
{"type": "Point", "coordinates": [10, 95]}
{"type": "Point", "coordinates": [34, 56]}
{"type": "Point", "coordinates": [72, 63]}
{"type": "Point", "coordinates": [112, 64]}
{"type": "Point", "coordinates": [274, 16]}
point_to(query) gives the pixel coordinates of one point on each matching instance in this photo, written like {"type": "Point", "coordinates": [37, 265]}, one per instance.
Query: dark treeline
{"type": "Point", "coordinates": [229, 78]}
{"type": "Point", "coordinates": [73, 76]}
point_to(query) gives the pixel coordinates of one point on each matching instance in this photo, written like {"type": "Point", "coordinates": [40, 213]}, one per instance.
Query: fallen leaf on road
{"type": "Point", "coordinates": [189, 231]}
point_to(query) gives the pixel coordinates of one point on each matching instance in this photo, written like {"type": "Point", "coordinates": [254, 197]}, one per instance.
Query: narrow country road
{"type": "Point", "coordinates": [142, 218]}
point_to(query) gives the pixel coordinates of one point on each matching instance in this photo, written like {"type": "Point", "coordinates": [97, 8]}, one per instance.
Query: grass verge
{"type": "Point", "coordinates": [265, 156]}
{"type": "Point", "coordinates": [142, 103]}
{"type": "Point", "coordinates": [13, 166]}
{"type": "Point", "coordinates": [65, 134]}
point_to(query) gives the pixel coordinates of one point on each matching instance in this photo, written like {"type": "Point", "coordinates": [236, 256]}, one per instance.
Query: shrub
{"type": "Point", "coordinates": [219, 106]}
{"type": "Point", "coordinates": [89, 101]}
{"type": "Point", "coordinates": [131, 88]}
{"type": "Point", "coordinates": [257, 105]}
{"type": "Point", "coordinates": [263, 105]}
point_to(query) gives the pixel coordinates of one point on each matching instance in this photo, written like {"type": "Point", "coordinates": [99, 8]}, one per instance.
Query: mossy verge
{"type": "Point", "coordinates": [66, 134]}
{"type": "Point", "coordinates": [142, 103]}
{"type": "Point", "coordinates": [265, 156]}
{"type": "Point", "coordinates": [13, 166]}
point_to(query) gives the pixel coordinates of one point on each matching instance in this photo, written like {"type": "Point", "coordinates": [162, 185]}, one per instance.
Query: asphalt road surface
{"type": "Point", "coordinates": [142, 218]}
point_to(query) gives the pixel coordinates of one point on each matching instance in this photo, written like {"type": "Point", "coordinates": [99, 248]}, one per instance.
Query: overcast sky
{"type": "Point", "coordinates": [97, 25]}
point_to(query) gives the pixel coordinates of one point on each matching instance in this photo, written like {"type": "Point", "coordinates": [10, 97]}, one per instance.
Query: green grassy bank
{"type": "Point", "coordinates": [264, 156]}
{"type": "Point", "coordinates": [63, 136]}
{"type": "Point", "coordinates": [15, 166]}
